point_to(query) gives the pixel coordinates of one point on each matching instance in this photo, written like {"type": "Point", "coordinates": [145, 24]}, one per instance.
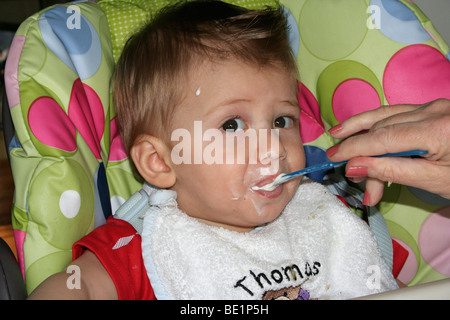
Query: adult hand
{"type": "Point", "coordinates": [391, 129]}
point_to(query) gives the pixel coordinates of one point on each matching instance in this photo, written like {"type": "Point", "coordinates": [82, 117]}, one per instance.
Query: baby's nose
{"type": "Point", "coordinates": [273, 152]}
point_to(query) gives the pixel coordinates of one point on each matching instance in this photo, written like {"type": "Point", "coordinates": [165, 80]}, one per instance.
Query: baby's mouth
{"type": "Point", "coordinates": [265, 180]}
{"type": "Point", "coordinates": [266, 193]}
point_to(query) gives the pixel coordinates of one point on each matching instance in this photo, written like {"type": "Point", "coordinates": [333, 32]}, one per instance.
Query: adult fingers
{"type": "Point", "coordinates": [430, 112]}
{"type": "Point", "coordinates": [374, 191]}
{"type": "Point", "coordinates": [417, 172]}
{"type": "Point", "coordinates": [366, 120]}
{"type": "Point", "coordinates": [388, 139]}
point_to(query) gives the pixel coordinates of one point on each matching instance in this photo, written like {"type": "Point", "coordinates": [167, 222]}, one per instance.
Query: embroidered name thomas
{"type": "Point", "coordinates": [286, 274]}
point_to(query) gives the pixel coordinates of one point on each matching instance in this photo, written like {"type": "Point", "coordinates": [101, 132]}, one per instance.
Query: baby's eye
{"type": "Point", "coordinates": [283, 122]}
{"type": "Point", "coordinates": [233, 125]}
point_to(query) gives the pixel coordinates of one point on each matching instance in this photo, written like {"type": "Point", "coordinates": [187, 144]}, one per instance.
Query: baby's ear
{"type": "Point", "coordinates": [151, 156]}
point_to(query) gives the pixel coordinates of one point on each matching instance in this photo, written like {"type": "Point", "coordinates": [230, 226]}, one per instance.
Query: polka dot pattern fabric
{"type": "Point", "coordinates": [71, 171]}
{"type": "Point", "coordinates": [354, 56]}
{"type": "Point", "coordinates": [125, 17]}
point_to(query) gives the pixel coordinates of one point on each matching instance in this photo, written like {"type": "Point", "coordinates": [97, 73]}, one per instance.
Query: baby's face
{"type": "Point", "coordinates": [237, 127]}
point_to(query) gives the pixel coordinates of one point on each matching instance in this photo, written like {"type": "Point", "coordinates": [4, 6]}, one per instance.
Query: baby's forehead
{"type": "Point", "coordinates": [205, 67]}
{"type": "Point", "coordinates": [216, 79]}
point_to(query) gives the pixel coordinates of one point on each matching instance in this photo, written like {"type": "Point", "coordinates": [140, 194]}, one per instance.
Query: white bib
{"type": "Point", "coordinates": [316, 249]}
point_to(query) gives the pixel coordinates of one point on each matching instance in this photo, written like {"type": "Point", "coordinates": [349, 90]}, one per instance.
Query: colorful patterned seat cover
{"type": "Point", "coordinates": [71, 171]}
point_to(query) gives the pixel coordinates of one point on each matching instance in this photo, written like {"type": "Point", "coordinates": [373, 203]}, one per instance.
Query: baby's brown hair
{"type": "Point", "coordinates": [155, 62]}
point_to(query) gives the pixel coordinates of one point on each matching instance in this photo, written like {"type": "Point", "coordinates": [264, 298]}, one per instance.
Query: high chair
{"type": "Point", "coordinates": [71, 171]}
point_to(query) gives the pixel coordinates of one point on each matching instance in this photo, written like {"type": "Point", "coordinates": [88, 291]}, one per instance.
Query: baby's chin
{"type": "Point", "coordinates": [267, 211]}
{"type": "Point", "coordinates": [278, 205]}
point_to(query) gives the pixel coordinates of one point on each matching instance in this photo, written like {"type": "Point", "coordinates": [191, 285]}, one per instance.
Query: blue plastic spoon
{"type": "Point", "coordinates": [284, 177]}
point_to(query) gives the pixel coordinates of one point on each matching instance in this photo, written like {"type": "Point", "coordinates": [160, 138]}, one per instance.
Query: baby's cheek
{"type": "Point", "coordinates": [235, 182]}
{"type": "Point", "coordinates": [296, 158]}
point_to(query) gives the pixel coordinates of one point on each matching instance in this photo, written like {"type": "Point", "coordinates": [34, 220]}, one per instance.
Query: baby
{"type": "Point", "coordinates": [206, 100]}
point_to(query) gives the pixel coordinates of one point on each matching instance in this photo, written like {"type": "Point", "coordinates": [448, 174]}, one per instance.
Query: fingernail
{"type": "Point", "coordinates": [331, 151]}
{"type": "Point", "coordinates": [335, 129]}
{"type": "Point", "coordinates": [366, 198]}
{"type": "Point", "coordinates": [354, 172]}
{"type": "Point", "coordinates": [356, 179]}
